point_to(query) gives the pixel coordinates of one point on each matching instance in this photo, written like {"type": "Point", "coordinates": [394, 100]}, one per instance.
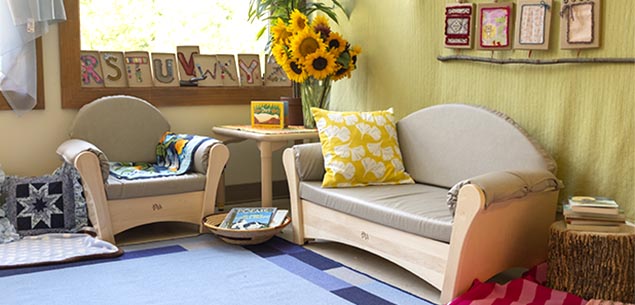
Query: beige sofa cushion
{"type": "Point", "coordinates": [415, 208]}
{"type": "Point", "coordinates": [445, 144]}
{"type": "Point", "coordinates": [125, 128]}
{"type": "Point", "coordinates": [124, 189]}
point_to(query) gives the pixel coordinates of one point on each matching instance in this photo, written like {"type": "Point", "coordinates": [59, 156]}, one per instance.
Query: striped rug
{"type": "Point", "coordinates": [201, 270]}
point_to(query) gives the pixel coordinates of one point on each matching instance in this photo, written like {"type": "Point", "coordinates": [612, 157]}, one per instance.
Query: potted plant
{"type": "Point", "coordinates": [312, 55]}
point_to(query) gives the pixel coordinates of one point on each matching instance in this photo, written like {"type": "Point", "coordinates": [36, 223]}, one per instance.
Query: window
{"type": "Point", "coordinates": [74, 96]}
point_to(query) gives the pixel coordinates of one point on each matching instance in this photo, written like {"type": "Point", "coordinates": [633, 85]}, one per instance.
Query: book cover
{"type": "Point", "coordinates": [598, 228]}
{"type": "Point", "coordinates": [278, 218]}
{"type": "Point", "coordinates": [268, 114]}
{"type": "Point", "coordinates": [249, 218]}
{"type": "Point", "coordinates": [592, 201]}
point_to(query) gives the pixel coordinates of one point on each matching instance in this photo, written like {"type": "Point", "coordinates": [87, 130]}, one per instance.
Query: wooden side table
{"type": "Point", "coordinates": [268, 141]}
{"type": "Point", "coordinates": [592, 265]}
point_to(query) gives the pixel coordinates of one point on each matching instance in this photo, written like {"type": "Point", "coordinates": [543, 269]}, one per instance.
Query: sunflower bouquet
{"type": "Point", "coordinates": [312, 55]}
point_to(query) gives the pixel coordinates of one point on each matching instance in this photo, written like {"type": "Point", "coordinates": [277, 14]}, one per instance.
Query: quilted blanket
{"type": "Point", "coordinates": [54, 248]}
{"type": "Point", "coordinates": [175, 153]}
{"type": "Point", "coordinates": [528, 289]}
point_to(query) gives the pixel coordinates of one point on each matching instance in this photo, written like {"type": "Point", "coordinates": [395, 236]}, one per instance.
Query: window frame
{"type": "Point", "coordinates": [75, 96]}
{"type": "Point", "coordinates": [4, 105]}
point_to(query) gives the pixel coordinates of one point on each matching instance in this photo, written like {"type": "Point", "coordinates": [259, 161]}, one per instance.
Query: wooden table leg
{"type": "Point", "coordinates": [266, 149]}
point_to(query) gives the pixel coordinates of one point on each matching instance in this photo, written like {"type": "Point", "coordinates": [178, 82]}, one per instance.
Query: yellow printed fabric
{"type": "Point", "coordinates": [360, 148]}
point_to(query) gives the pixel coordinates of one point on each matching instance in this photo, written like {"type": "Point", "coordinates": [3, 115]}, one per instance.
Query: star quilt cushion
{"type": "Point", "coordinates": [44, 204]}
{"type": "Point", "coordinates": [360, 148]}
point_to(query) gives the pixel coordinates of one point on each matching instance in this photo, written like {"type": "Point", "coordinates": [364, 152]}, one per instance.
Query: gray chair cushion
{"type": "Point", "coordinates": [125, 128]}
{"type": "Point", "coordinates": [415, 208]}
{"type": "Point", "coordinates": [444, 144]}
{"type": "Point", "coordinates": [124, 189]}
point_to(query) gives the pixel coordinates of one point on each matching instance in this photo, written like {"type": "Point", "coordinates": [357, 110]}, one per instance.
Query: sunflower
{"type": "Point", "coordinates": [298, 21]}
{"type": "Point", "coordinates": [320, 64]}
{"type": "Point", "coordinates": [305, 43]}
{"type": "Point", "coordinates": [336, 43]}
{"type": "Point", "coordinates": [321, 25]}
{"type": "Point", "coordinates": [280, 54]}
{"type": "Point", "coordinates": [295, 71]}
{"type": "Point", "coordinates": [279, 32]}
{"type": "Point", "coordinates": [341, 72]}
{"type": "Point", "coordinates": [356, 50]}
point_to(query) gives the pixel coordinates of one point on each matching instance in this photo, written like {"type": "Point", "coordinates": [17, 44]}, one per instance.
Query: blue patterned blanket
{"type": "Point", "coordinates": [175, 154]}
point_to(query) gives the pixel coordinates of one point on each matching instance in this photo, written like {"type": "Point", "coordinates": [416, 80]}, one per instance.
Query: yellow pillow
{"type": "Point", "coordinates": [360, 148]}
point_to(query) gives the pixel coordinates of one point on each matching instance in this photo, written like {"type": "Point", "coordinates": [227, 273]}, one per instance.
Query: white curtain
{"type": "Point", "coordinates": [21, 22]}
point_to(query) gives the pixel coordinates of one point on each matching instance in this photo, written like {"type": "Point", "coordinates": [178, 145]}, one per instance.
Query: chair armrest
{"type": "Point", "coordinates": [309, 161]}
{"type": "Point", "coordinates": [70, 149]}
{"type": "Point", "coordinates": [201, 155]}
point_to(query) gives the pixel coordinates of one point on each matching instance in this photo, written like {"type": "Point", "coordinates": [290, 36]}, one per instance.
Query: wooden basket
{"type": "Point", "coordinates": [241, 237]}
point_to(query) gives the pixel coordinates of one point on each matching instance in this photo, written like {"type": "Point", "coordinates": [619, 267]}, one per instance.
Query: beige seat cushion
{"type": "Point", "coordinates": [416, 208]}
{"type": "Point", "coordinates": [124, 189]}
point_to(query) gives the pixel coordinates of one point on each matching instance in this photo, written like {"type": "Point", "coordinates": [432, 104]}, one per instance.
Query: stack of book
{"type": "Point", "coordinates": [253, 218]}
{"type": "Point", "coordinates": [598, 214]}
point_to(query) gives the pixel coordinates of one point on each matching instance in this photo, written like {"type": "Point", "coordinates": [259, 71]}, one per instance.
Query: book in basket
{"type": "Point", "coordinates": [248, 218]}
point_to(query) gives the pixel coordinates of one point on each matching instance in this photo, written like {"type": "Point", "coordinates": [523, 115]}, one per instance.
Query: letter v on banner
{"type": "Point", "coordinates": [185, 57]}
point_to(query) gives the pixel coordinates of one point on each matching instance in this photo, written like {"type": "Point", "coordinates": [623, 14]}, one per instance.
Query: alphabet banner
{"type": "Point", "coordinates": [249, 69]}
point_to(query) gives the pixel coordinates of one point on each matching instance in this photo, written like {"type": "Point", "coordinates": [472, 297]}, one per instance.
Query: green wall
{"type": "Point", "coordinates": [582, 113]}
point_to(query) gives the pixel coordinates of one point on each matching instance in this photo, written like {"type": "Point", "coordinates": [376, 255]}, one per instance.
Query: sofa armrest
{"type": "Point", "coordinates": [505, 185]}
{"type": "Point", "coordinates": [309, 161]}
{"type": "Point", "coordinates": [201, 155]}
{"type": "Point", "coordinates": [70, 149]}
{"type": "Point", "coordinates": [502, 186]}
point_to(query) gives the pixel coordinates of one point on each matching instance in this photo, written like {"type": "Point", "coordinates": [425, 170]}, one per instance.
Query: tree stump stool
{"type": "Point", "coordinates": [592, 265]}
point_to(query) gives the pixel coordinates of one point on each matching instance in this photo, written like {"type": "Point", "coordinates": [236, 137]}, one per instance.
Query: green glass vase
{"type": "Point", "coordinates": [315, 93]}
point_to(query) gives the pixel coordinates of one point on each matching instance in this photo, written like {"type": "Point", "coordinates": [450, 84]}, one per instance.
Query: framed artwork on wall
{"type": "Point", "coordinates": [533, 21]}
{"type": "Point", "coordinates": [459, 25]}
{"type": "Point", "coordinates": [494, 26]}
{"type": "Point", "coordinates": [580, 24]}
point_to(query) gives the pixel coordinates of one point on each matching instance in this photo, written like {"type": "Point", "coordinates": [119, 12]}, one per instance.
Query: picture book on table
{"type": "Point", "coordinates": [248, 218]}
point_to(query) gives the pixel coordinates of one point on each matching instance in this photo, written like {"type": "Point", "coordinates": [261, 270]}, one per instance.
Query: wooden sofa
{"type": "Point", "coordinates": [503, 183]}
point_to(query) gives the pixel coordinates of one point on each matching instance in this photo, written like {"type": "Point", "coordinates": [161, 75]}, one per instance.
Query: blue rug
{"type": "Point", "coordinates": [201, 270]}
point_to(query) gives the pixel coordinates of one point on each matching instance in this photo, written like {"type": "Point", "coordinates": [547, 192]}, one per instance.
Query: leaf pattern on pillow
{"type": "Point", "coordinates": [345, 169]}
{"type": "Point", "coordinates": [343, 134]}
{"type": "Point", "coordinates": [372, 166]}
{"type": "Point", "coordinates": [357, 153]}
{"type": "Point", "coordinates": [374, 149]}
{"type": "Point", "coordinates": [391, 131]}
{"type": "Point", "coordinates": [336, 117]}
{"type": "Point", "coordinates": [387, 153]}
{"type": "Point", "coordinates": [343, 151]}
{"type": "Point", "coordinates": [351, 120]}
